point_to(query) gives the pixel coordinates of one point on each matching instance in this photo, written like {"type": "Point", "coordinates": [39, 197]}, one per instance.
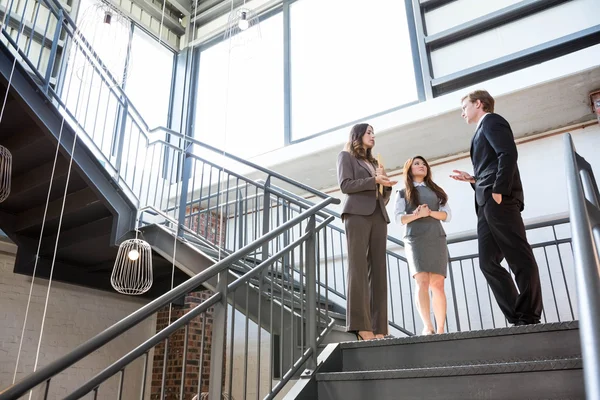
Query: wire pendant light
{"type": "Point", "coordinates": [132, 272]}
{"type": "Point", "coordinates": [242, 26]}
{"type": "Point", "coordinates": [106, 29]}
{"type": "Point", "coordinates": [5, 173]}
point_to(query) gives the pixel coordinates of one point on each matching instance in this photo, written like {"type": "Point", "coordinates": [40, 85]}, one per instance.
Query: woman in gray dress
{"type": "Point", "coordinates": [420, 206]}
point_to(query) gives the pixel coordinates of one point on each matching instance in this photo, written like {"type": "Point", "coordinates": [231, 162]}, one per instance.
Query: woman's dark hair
{"type": "Point", "coordinates": [355, 144]}
{"type": "Point", "coordinates": [412, 194]}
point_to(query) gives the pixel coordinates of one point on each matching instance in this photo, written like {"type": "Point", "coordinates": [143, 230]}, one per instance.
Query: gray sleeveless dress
{"type": "Point", "coordinates": [425, 239]}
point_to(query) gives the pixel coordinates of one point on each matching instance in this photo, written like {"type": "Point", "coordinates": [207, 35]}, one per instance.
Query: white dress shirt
{"type": "Point", "coordinates": [400, 208]}
{"type": "Point", "coordinates": [481, 120]}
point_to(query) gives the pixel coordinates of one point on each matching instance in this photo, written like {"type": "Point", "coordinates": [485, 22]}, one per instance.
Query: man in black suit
{"type": "Point", "coordinates": [498, 203]}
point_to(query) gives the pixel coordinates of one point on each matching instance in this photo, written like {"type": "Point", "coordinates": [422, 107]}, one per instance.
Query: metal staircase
{"type": "Point", "coordinates": [261, 250]}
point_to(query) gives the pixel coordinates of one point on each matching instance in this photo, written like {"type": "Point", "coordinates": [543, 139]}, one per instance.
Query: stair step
{"type": "Point", "coordinates": [547, 379]}
{"type": "Point", "coordinates": [530, 342]}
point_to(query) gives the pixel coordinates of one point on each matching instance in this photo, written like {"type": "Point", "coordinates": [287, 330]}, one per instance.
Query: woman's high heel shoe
{"type": "Point", "coordinates": [358, 337]}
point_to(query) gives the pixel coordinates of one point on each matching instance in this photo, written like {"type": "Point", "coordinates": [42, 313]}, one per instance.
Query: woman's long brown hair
{"type": "Point", "coordinates": [355, 144]}
{"type": "Point", "coordinates": [412, 194]}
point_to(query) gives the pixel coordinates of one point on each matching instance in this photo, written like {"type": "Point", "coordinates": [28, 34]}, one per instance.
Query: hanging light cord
{"type": "Point", "coordinates": [37, 256]}
{"type": "Point", "coordinates": [3, 24]}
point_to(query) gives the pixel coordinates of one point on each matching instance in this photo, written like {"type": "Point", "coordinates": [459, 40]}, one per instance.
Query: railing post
{"type": "Point", "coordinates": [584, 232]}
{"type": "Point", "coordinates": [311, 297]}
{"type": "Point", "coordinates": [51, 59]}
{"type": "Point", "coordinates": [453, 289]}
{"type": "Point", "coordinates": [240, 217]}
{"type": "Point", "coordinates": [266, 216]}
{"type": "Point", "coordinates": [123, 112]}
{"type": "Point", "coordinates": [217, 350]}
{"type": "Point", "coordinates": [185, 178]}
{"type": "Point", "coordinates": [286, 240]}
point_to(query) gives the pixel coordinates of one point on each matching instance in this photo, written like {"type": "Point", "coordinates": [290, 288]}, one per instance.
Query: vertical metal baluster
{"type": "Point", "coordinates": [387, 266]}
{"type": "Point", "coordinates": [200, 199]}
{"type": "Point", "coordinates": [562, 268]}
{"type": "Point", "coordinates": [158, 170]}
{"type": "Point", "coordinates": [141, 180]}
{"type": "Point", "coordinates": [246, 329]}
{"type": "Point", "coordinates": [121, 380]}
{"type": "Point", "coordinates": [412, 305]}
{"type": "Point", "coordinates": [135, 160]}
{"type": "Point", "coordinates": [551, 283]}
{"type": "Point", "coordinates": [258, 344]}
{"type": "Point", "coordinates": [201, 361]}
{"type": "Point", "coordinates": [164, 369]}
{"type": "Point", "coordinates": [95, 123]}
{"type": "Point", "coordinates": [281, 326]}
{"type": "Point", "coordinates": [150, 170]}
{"type": "Point", "coordinates": [491, 306]}
{"type": "Point", "coordinates": [223, 229]}
{"type": "Point", "coordinates": [271, 336]}
{"type": "Point", "coordinates": [96, 393]}
{"type": "Point", "coordinates": [303, 289]}
{"type": "Point", "coordinates": [127, 161]}
{"type": "Point", "coordinates": [292, 319]}
{"type": "Point", "coordinates": [462, 274]}
{"type": "Point", "coordinates": [344, 270]}
{"type": "Point", "coordinates": [311, 330]}
{"type": "Point", "coordinates": [21, 25]}
{"type": "Point", "coordinates": [144, 377]}
{"type": "Point", "coordinates": [326, 269]}
{"type": "Point", "coordinates": [231, 341]}
{"type": "Point", "coordinates": [477, 293]}
{"type": "Point", "coordinates": [47, 390]}
{"type": "Point", "coordinates": [453, 289]}
{"type": "Point", "coordinates": [191, 217]}
{"type": "Point", "coordinates": [245, 242]}
{"type": "Point", "coordinates": [207, 215]}
{"type": "Point", "coordinates": [37, 6]}
{"type": "Point", "coordinates": [171, 175]}
{"type": "Point", "coordinates": [401, 297]}
{"type": "Point", "coordinates": [87, 106]}
{"type": "Point", "coordinates": [317, 290]}
{"type": "Point", "coordinates": [186, 336]}
{"type": "Point", "coordinates": [217, 208]}
{"type": "Point", "coordinates": [334, 266]}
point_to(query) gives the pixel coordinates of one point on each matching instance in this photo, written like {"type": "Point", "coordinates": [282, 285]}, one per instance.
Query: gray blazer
{"type": "Point", "coordinates": [358, 184]}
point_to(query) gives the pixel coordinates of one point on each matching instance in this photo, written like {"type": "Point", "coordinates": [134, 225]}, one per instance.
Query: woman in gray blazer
{"type": "Point", "coordinates": [367, 189]}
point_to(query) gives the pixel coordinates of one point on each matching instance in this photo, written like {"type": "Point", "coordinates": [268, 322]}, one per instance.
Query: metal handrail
{"type": "Point", "coordinates": [583, 197]}
{"type": "Point", "coordinates": [93, 344]}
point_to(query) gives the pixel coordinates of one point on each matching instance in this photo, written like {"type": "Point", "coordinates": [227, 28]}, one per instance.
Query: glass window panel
{"type": "Point", "coordinates": [239, 103]}
{"type": "Point", "coordinates": [148, 84]}
{"type": "Point", "coordinates": [349, 60]}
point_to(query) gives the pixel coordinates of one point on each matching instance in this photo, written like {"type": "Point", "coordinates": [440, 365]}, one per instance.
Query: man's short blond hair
{"type": "Point", "coordinates": [482, 95]}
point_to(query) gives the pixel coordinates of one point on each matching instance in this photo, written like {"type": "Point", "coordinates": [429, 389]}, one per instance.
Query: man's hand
{"type": "Point", "coordinates": [462, 176]}
{"type": "Point", "coordinates": [497, 197]}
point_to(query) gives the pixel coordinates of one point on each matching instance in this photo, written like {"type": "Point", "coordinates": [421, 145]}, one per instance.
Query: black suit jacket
{"type": "Point", "coordinates": [494, 157]}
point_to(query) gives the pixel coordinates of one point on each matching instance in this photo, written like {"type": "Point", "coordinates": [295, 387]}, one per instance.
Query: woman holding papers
{"type": "Point", "coordinates": [367, 188]}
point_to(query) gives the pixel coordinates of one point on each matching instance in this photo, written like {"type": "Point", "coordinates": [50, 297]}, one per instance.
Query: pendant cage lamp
{"type": "Point", "coordinates": [5, 173]}
{"type": "Point", "coordinates": [132, 272]}
{"type": "Point", "coordinates": [107, 31]}
{"type": "Point", "coordinates": [242, 26]}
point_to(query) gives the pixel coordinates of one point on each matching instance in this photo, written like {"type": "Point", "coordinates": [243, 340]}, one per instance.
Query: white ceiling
{"type": "Point", "coordinates": [531, 111]}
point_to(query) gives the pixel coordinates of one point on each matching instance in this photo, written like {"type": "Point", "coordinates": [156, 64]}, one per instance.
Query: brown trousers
{"type": "Point", "coordinates": [367, 308]}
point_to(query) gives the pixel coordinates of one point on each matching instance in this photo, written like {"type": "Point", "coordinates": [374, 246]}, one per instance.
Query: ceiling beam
{"type": "Point", "coordinates": [183, 6]}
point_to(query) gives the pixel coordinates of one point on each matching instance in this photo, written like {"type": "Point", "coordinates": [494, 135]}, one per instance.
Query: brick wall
{"type": "Point", "coordinates": [194, 365]}
{"type": "Point", "coordinates": [205, 225]}
{"type": "Point", "coordinates": [74, 315]}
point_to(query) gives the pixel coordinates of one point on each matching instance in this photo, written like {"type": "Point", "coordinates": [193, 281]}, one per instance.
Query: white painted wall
{"type": "Point", "coordinates": [74, 315]}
